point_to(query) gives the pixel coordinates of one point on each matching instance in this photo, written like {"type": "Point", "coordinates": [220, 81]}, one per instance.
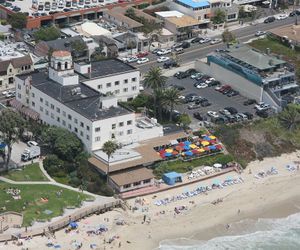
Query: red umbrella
{"type": "Point", "coordinates": [181, 144]}
{"type": "Point", "coordinates": [179, 148]}
{"type": "Point", "coordinates": [174, 152]}
{"type": "Point", "coordinates": [195, 151]}
{"type": "Point", "coordinates": [206, 149]}
{"type": "Point", "coordinates": [162, 151]}
{"type": "Point", "coordinates": [219, 146]}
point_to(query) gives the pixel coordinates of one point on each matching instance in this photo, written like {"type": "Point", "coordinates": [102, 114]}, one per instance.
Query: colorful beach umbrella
{"type": "Point", "coordinates": [212, 137]}
{"type": "Point", "coordinates": [218, 146]}
{"type": "Point", "coordinates": [200, 150]}
{"type": "Point", "coordinates": [169, 150]}
{"type": "Point", "coordinates": [162, 151]}
{"type": "Point", "coordinates": [212, 147]}
{"type": "Point", "coordinates": [179, 148]}
{"type": "Point", "coordinates": [206, 149]}
{"type": "Point", "coordinates": [186, 147]}
{"type": "Point", "coordinates": [175, 152]}
{"type": "Point", "coordinates": [168, 154]}
{"type": "Point", "coordinates": [188, 153]}
{"type": "Point", "coordinates": [181, 144]}
{"type": "Point", "coordinates": [205, 143]}
{"type": "Point", "coordinates": [207, 138]}
{"type": "Point", "coordinates": [195, 151]}
{"type": "Point", "coordinates": [187, 143]}
{"type": "Point", "coordinates": [193, 146]}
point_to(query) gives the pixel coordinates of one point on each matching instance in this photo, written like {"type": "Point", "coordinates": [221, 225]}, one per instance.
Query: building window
{"type": "Point", "coordinates": [125, 81]}
{"type": "Point", "coordinates": [108, 85]}
{"type": "Point", "coordinates": [113, 126]}
{"type": "Point", "coordinates": [117, 83]}
{"type": "Point", "coordinates": [125, 90]}
{"type": "Point", "coordinates": [97, 129]}
{"type": "Point", "coordinates": [47, 112]}
{"type": "Point", "coordinates": [32, 94]}
{"type": "Point", "coordinates": [87, 137]}
{"type": "Point", "coordinates": [76, 130]}
{"type": "Point", "coordinates": [41, 109]}
{"type": "Point", "coordinates": [113, 136]}
{"type": "Point", "coordinates": [52, 115]}
{"type": "Point", "coordinates": [146, 181]}
{"type": "Point", "coordinates": [75, 120]}
{"type": "Point", "coordinates": [19, 96]}
{"type": "Point", "coordinates": [46, 103]}
{"type": "Point", "coordinates": [57, 119]}
{"type": "Point", "coordinates": [81, 124]}
{"type": "Point", "coordinates": [52, 106]}
{"type": "Point", "coordinates": [19, 86]}
{"type": "Point", "coordinates": [129, 131]}
{"type": "Point", "coordinates": [41, 100]}
{"type": "Point", "coordinates": [87, 128]}
{"type": "Point", "coordinates": [133, 79]}
{"type": "Point", "coordinates": [69, 126]}
{"type": "Point", "coordinates": [121, 124]}
{"type": "Point", "coordinates": [10, 70]}
{"type": "Point", "coordinates": [133, 88]}
{"type": "Point", "coordinates": [33, 104]}
{"type": "Point", "coordinates": [137, 183]}
{"type": "Point", "coordinates": [117, 91]}
{"type": "Point", "coordinates": [100, 86]}
{"type": "Point", "coordinates": [64, 122]}
{"type": "Point", "coordinates": [121, 133]}
{"type": "Point", "coordinates": [1, 83]}
{"type": "Point", "coordinates": [232, 16]}
{"type": "Point", "coordinates": [127, 186]}
{"type": "Point", "coordinates": [97, 138]}
{"type": "Point", "coordinates": [81, 133]}
{"type": "Point", "coordinates": [69, 117]}
{"type": "Point", "coordinates": [64, 113]}
{"type": "Point", "coordinates": [129, 122]}
{"type": "Point", "coordinates": [58, 110]}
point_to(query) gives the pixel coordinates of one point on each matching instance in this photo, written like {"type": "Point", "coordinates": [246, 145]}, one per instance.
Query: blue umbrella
{"type": "Point", "coordinates": [186, 147]}
{"type": "Point", "coordinates": [73, 224]}
{"type": "Point", "coordinates": [2, 145]}
{"type": "Point", "coordinates": [189, 153]}
{"type": "Point", "coordinates": [168, 154]}
{"type": "Point", "coordinates": [206, 138]}
{"type": "Point", "coordinates": [187, 143]}
{"type": "Point", "coordinates": [212, 147]}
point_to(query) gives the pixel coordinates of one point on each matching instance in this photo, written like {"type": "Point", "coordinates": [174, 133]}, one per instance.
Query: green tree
{"type": "Point", "coordinates": [47, 34]}
{"type": "Point", "coordinates": [65, 144]}
{"type": "Point", "coordinates": [109, 148]}
{"type": "Point", "coordinates": [289, 118]}
{"type": "Point", "coordinates": [228, 36]}
{"type": "Point", "coordinates": [17, 20]}
{"type": "Point", "coordinates": [185, 121]}
{"type": "Point", "coordinates": [52, 164]}
{"type": "Point", "coordinates": [171, 98]}
{"type": "Point", "coordinates": [219, 17]}
{"type": "Point", "coordinates": [130, 12]}
{"type": "Point", "coordinates": [11, 126]}
{"type": "Point", "coordinates": [156, 81]}
{"type": "Point", "coordinates": [242, 12]}
{"type": "Point", "coordinates": [79, 49]}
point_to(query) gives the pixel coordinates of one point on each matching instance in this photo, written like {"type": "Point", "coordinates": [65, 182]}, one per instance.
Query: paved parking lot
{"type": "Point", "coordinates": [217, 99]}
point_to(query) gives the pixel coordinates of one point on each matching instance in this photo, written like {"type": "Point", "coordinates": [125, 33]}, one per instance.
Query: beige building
{"type": "Point", "coordinates": [10, 68]}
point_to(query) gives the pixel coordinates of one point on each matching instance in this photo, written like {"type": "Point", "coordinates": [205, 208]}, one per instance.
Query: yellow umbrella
{"type": "Point", "coordinates": [169, 150]}
{"type": "Point", "coordinates": [201, 150]}
{"type": "Point", "coordinates": [213, 137]}
{"type": "Point", "coordinates": [193, 146]}
{"type": "Point", "coordinates": [205, 143]}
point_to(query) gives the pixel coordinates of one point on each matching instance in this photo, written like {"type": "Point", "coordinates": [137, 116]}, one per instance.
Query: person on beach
{"type": "Point", "coordinates": [227, 226]}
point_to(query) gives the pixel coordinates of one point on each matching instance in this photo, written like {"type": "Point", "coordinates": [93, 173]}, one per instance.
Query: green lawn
{"type": "Point", "coordinates": [31, 205]}
{"type": "Point", "coordinates": [185, 166]}
{"type": "Point", "coordinates": [30, 172]}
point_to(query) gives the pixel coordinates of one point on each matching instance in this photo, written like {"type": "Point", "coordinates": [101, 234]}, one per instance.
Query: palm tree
{"type": "Point", "coordinates": [109, 148]}
{"type": "Point", "coordinates": [290, 117]}
{"type": "Point", "coordinates": [156, 81]}
{"type": "Point", "coordinates": [171, 98]}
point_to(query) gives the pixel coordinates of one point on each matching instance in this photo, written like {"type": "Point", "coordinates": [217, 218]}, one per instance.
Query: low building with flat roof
{"type": "Point", "coordinates": [256, 75]}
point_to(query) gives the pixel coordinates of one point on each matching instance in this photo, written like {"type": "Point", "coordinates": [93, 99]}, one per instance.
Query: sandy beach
{"type": "Point", "coordinates": [269, 197]}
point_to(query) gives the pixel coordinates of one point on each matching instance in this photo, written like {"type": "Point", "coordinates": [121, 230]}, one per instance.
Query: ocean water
{"type": "Point", "coordinates": [261, 234]}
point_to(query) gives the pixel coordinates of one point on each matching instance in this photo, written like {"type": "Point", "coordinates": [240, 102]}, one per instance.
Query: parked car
{"type": "Point", "coordinates": [215, 41]}
{"type": "Point", "coordinates": [143, 60]}
{"type": "Point", "coordinates": [200, 100]}
{"type": "Point", "coordinates": [213, 83]}
{"type": "Point", "coordinates": [142, 54]}
{"type": "Point", "coordinates": [185, 45]}
{"type": "Point", "coordinates": [10, 94]}
{"type": "Point", "coordinates": [201, 85]}
{"type": "Point", "coordinates": [225, 88]}
{"type": "Point", "coordinates": [164, 52]}
{"type": "Point", "coordinates": [249, 102]}
{"type": "Point", "coordinates": [163, 59]}
{"type": "Point", "coordinates": [243, 116]}
{"type": "Point", "coordinates": [191, 99]}
{"type": "Point", "coordinates": [191, 72]}
{"type": "Point", "coordinates": [205, 40]}
{"type": "Point", "coordinates": [169, 64]}
{"type": "Point", "coordinates": [179, 50]}
{"type": "Point", "coordinates": [232, 110]}
{"type": "Point", "coordinates": [270, 19]}
{"type": "Point", "coordinates": [132, 59]}
{"type": "Point", "coordinates": [249, 115]}
{"type": "Point", "coordinates": [260, 33]}
{"type": "Point", "coordinates": [226, 91]}
{"type": "Point", "coordinates": [32, 143]}
{"type": "Point", "coordinates": [194, 106]}
{"type": "Point", "coordinates": [182, 75]}
{"type": "Point", "coordinates": [196, 40]}
{"type": "Point", "coordinates": [196, 75]}
{"type": "Point", "coordinates": [282, 16]}
{"type": "Point", "coordinates": [262, 106]}
{"type": "Point", "coordinates": [198, 116]}
{"type": "Point", "coordinates": [295, 12]}
{"type": "Point", "coordinates": [262, 113]}
{"type": "Point", "coordinates": [224, 112]}
{"type": "Point", "coordinates": [205, 103]}
{"type": "Point", "coordinates": [212, 114]}
{"type": "Point", "coordinates": [233, 93]}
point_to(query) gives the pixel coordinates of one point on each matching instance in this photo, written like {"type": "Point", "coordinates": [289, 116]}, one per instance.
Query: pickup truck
{"type": "Point", "coordinates": [262, 106]}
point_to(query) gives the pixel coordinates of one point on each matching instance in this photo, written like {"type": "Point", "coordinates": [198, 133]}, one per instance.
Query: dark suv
{"type": "Point", "coordinates": [270, 19]}
{"type": "Point", "coordinates": [170, 64]}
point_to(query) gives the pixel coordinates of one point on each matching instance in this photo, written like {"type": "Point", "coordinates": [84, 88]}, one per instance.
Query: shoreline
{"type": "Point", "coordinates": [273, 197]}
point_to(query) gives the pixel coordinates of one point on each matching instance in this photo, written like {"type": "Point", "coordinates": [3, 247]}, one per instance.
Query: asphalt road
{"type": "Point", "coordinates": [201, 50]}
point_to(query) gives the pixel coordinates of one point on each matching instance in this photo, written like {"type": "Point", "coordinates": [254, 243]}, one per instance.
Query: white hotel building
{"type": "Point", "coordinates": [83, 99]}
